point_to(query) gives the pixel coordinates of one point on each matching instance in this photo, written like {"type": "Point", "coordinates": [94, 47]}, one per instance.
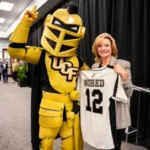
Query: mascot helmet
{"type": "Point", "coordinates": [63, 32]}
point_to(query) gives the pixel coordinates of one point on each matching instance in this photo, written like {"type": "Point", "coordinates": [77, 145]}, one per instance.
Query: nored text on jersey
{"type": "Point", "coordinates": [94, 83]}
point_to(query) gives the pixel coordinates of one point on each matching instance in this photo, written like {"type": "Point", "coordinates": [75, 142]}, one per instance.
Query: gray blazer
{"type": "Point", "coordinates": [123, 119]}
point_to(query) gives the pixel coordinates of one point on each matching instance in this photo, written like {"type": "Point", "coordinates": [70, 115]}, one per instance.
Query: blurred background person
{"type": "Point", "coordinates": [1, 69]}
{"type": "Point", "coordinates": [5, 70]}
{"type": "Point", "coordinates": [15, 66]}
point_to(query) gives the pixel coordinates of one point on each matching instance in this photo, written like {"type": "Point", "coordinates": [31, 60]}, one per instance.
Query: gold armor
{"type": "Point", "coordinates": [59, 67]}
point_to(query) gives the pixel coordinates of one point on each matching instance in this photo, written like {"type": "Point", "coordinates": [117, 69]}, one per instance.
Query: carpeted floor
{"type": "Point", "coordinates": [15, 119]}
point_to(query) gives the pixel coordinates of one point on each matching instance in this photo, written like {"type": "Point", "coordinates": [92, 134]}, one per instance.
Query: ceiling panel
{"type": "Point", "coordinates": [19, 7]}
{"type": "Point", "coordinates": [13, 16]}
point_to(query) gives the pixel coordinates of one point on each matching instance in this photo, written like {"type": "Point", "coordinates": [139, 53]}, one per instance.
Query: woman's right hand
{"type": "Point", "coordinates": [121, 71]}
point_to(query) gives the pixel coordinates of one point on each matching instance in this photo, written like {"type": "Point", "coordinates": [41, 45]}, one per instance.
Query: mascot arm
{"type": "Point", "coordinates": [20, 34]}
{"type": "Point", "coordinates": [28, 54]}
{"type": "Point", "coordinates": [18, 39]}
{"type": "Point", "coordinates": [85, 67]}
{"type": "Point", "coordinates": [82, 65]}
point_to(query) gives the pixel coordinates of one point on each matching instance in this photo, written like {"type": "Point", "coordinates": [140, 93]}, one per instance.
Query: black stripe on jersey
{"type": "Point", "coordinates": [112, 117]}
{"type": "Point", "coordinates": [116, 86]}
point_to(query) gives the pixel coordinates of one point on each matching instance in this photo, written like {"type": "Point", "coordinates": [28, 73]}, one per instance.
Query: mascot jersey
{"type": "Point", "coordinates": [56, 69]}
{"type": "Point", "coordinates": [97, 88]}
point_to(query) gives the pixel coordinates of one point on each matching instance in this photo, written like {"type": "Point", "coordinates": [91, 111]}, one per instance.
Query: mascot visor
{"type": "Point", "coordinates": [62, 34]}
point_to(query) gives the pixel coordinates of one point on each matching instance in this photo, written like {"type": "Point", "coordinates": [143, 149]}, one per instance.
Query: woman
{"type": "Point", "coordinates": [105, 51]}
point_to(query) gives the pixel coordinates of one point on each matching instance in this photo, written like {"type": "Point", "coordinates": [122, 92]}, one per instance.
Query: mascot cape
{"type": "Point", "coordinates": [36, 95]}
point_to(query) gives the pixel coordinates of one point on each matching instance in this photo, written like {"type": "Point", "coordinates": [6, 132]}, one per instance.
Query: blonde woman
{"type": "Point", "coordinates": [105, 50]}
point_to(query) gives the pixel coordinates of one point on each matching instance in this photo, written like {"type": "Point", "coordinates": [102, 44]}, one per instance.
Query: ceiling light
{"type": "Point", "coordinates": [2, 20]}
{"type": "Point", "coordinates": [6, 6]}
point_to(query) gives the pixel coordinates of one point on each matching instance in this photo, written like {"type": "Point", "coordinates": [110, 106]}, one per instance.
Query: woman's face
{"type": "Point", "coordinates": [104, 49]}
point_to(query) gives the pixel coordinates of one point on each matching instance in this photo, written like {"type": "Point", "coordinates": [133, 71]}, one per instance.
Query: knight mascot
{"type": "Point", "coordinates": [54, 100]}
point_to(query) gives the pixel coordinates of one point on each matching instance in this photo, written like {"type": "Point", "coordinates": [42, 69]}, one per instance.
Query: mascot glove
{"type": "Point", "coordinates": [74, 95]}
{"type": "Point", "coordinates": [70, 115]}
{"type": "Point", "coordinates": [30, 16]}
{"type": "Point", "coordinates": [25, 23]}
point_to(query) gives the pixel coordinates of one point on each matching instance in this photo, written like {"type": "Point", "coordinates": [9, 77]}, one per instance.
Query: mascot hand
{"type": "Point", "coordinates": [74, 95]}
{"type": "Point", "coordinates": [31, 15]}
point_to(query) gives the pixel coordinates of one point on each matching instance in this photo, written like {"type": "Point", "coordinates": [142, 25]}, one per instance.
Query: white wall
{"type": "Point", "coordinates": [4, 43]}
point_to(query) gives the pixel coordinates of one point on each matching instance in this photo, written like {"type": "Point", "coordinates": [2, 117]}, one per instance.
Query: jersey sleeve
{"type": "Point", "coordinates": [120, 94]}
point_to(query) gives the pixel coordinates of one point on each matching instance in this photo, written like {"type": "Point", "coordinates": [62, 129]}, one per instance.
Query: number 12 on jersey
{"type": "Point", "coordinates": [97, 97]}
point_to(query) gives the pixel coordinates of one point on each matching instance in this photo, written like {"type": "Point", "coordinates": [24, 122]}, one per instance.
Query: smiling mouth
{"type": "Point", "coordinates": [104, 51]}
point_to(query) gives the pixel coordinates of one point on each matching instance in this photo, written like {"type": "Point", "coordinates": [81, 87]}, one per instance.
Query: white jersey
{"type": "Point", "coordinates": [96, 87]}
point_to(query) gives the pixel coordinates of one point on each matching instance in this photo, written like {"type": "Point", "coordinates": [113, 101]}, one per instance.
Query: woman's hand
{"type": "Point", "coordinates": [121, 71]}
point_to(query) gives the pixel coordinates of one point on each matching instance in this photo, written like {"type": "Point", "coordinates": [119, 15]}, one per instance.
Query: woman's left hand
{"type": "Point", "coordinates": [121, 71]}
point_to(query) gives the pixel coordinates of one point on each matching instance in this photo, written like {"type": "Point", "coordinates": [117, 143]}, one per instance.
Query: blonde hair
{"type": "Point", "coordinates": [98, 40]}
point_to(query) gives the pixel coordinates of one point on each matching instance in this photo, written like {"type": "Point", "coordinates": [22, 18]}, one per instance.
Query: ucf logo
{"type": "Point", "coordinates": [64, 67]}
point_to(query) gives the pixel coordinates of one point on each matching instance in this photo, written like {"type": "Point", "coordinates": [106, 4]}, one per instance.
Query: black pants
{"type": "Point", "coordinates": [120, 137]}
{"type": "Point", "coordinates": [14, 75]}
{"type": "Point", "coordinates": [5, 76]}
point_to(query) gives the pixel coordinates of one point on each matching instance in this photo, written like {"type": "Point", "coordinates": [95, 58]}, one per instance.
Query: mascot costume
{"type": "Point", "coordinates": [54, 104]}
